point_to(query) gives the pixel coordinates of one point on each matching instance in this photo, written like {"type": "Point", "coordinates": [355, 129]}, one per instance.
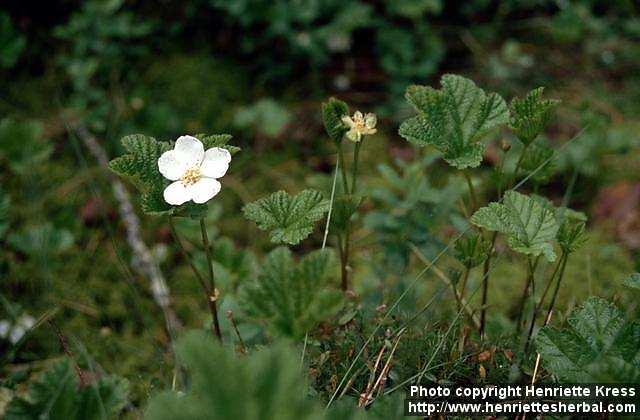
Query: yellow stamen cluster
{"type": "Point", "coordinates": [191, 176]}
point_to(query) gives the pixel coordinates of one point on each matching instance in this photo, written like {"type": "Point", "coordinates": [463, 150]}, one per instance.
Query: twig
{"type": "Point", "coordinates": [232, 321]}
{"type": "Point", "coordinates": [65, 348]}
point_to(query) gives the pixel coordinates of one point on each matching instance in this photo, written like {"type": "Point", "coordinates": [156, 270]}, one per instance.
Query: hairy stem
{"type": "Point", "coordinates": [213, 295]}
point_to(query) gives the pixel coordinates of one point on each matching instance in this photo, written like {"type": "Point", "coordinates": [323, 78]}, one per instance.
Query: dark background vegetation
{"type": "Point", "coordinates": [259, 69]}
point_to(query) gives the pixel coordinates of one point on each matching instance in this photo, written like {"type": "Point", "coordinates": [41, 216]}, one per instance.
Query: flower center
{"type": "Point", "coordinates": [191, 176]}
{"type": "Point", "coordinates": [359, 124]}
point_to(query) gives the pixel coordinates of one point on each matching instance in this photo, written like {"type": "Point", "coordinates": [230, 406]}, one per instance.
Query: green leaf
{"type": "Point", "coordinates": [55, 395]}
{"type": "Point", "coordinates": [454, 119]}
{"type": "Point", "coordinates": [217, 140]}
{"type": "Point", "coordinates": [632, 281]}
{"type": "Point", "coordinates": [471, 251]}
{"type": "Point", "coordinates": [530, 115]}
{"type": "Point", "coordinates": [529, 225]}
{"type": "Point", "coordinates": [140, 165]}
{"type": "Point", "coordinates": [288, 219]}
{"type": "Point", "coordinates": [267, 384]}
{"type": "Point", "coordinates": [293, 297]}
{"type": "Point", "coordinates": [598, 345]}
{"type": "Point", "coordinates": [332, 112]}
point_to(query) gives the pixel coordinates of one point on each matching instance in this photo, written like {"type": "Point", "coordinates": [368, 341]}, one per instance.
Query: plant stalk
{"type": "Point", "coordinates": [485, 285]}
{"type": "Point", "coordinates": [212, 298]}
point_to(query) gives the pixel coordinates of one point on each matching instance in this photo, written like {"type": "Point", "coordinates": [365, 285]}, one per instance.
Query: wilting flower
{"type": "Point", "coordinates": [360, 125]}
{"type": "Point", "coordinates": [193, 171]}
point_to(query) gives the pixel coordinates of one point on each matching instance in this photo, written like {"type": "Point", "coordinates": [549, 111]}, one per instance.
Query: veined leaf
{"type": "Point", "coordinates": [288, 219]}
{"type": "Point", "coordinates": [597, 346]}
{"type": "Point", "coordinates": [454, 119]}
{"type": "Point", "coordinates": [292, 296]}
{"type": "Point", "coordinates": [55, 395]}
{"type": "Point", "coordinates": [530, 115]}
{"type": "Point", "coordinates": [529, 225]}
{"type": "Point", "coordinates": [217, 140]}
{"type": "Point", "coordinates": [332, 112]}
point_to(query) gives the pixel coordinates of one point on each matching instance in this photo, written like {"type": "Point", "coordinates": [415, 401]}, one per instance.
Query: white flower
{"type": "Point", "coordinates": [360, 125]}
{"type": "Point", "coordinates": [193, 171]}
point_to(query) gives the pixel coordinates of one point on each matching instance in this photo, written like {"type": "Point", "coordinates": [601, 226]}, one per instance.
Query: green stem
{"type": "Point", "coordinates": [531, 268]}
{"type": "Point", "coordinates": [212, 298]}
{"type": "Point", "coordinates": [472, 192]}
{"type": "Point", "coordinates": [538, 306]}
{"type": "Point", "coordinates": [485, 285]}
{"type": "Point", "coordinates": [343, 169]}
{"type": "Point", "coordinates": [555, 292]}
{"type": "Point", "coordinates": [354, 177]}
{"type": "Point", "coordinates": [463, 283]}
{"type": "Point", "coordinates": [520, 159]}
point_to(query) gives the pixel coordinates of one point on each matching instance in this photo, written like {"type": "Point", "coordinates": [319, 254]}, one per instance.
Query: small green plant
{"type": "Point", "coordinates": [598, 345]}
{"type": "Point", "coordinates": [58, 395]}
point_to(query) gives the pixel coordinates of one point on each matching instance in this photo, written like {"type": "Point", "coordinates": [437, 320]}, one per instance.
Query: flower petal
{"type": "Point", "coordinates": [177, 193]}
{"type": "Point", "coordinates": [348, 121]}
{"type": "Point", "coordinates": [370, 120]}
{"type": "Point", "coordinates": [189, 150]}
{"type": "Point", "coordinates": [204, 190]}
{"type": "Point", "coordinates": [215, 163]}
{"type": "Point", "coordinates": [170, 166]}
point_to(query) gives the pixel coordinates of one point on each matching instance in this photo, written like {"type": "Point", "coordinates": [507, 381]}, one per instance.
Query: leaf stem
{"type": "Point", "coordinates": [472, 192]}
{"type": "Point", "coordinates": [213, 295]}
{"type": "Point", "coordinates": [343, 169]}
{"type": "Point", "coordinates": [485, 285]}
{"type": "Point", "coordinates": [530, 282]}
{"type": "Point", "coordinates": [356, 154]}
{"type": "Point", "coordinates": [538, 306]}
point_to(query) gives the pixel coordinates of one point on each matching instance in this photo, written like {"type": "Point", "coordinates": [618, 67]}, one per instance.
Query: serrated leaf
{"type": "Point", "coordinates": [529, 225]}
{"type": "Point", "coordinates": [597, 345]}
{"type": "Point", "coordinates": [218, 140]}
{"type": "Point", "coordinates": [288, 219]}
{"type": "Point", "coordinates": [332, 112]}
{"type": "Point", "coordinates": [454, 119]}
{"type": "Point", "coordinates": [632, 281]}
{"type": "Point", "coordinates": [55, 395]}
{"type": "Point", "coordinates": [293, 297]}
{"type": "Point", "coordinates": [140, 165]}
{"type": "Point", "coordinates": [530, 115]}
